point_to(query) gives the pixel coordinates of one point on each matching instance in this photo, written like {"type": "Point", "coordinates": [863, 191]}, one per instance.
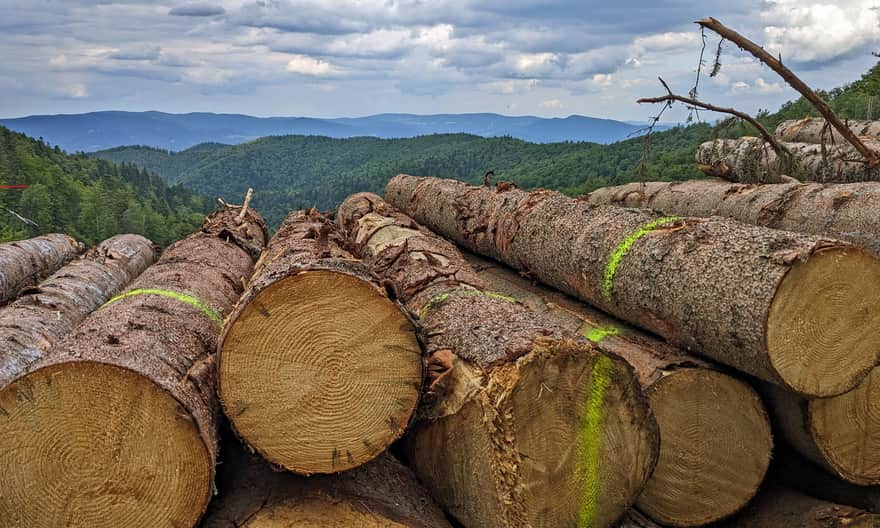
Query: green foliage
{"type": "Point", "coordinates": [91, 199]}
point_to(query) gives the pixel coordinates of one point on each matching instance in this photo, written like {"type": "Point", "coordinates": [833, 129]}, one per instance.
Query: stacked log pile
{"type": "Point", "coordinates": [25, 262]}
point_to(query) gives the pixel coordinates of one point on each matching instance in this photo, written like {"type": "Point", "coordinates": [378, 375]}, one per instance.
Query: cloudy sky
{"type": "Point", "coordinates": [356, 57]}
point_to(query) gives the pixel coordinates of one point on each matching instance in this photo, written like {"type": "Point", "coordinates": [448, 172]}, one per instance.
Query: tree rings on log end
{"type": "Point", "coordinates": [846, 429]}
{"type": "Point", "coordinates": [715, 447]}
{"type": "Point", "coordinates": [822, 334]}
{"type": "Point", "coordinates": [88, 444]}
{"type": "Point", "coordinates": [319, 510]}
{"type": "Point", "coordinates": [320, 372]}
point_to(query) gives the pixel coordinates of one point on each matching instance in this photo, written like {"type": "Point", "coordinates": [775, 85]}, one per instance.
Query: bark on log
{"type": "Point", "coordinates": [24, 263]}
{"type": "Point", "coordinates": [791, 309]}
{"type": "Point", "coordinates": [31, 324]}
{"type": "Point", "coordinates": [381, 493]}
{"type": "Point", "coordinates": [525, 425]}
{"type": "Point", "coordinates": [844, 211]}
{"type": "Point", "coordinates": [777, 507]}
{"type": "Point", "coordinates": [750, 160]}
{"type": "Point", "coordinates": [315, 346]}
{"type": "Point", "coordinates": [841, 433]}
{"type": "Point", "coordinates": [715, 436]}
{"type": "Point", "coordinates": [816, 130]}
{"type": "Point", "coordinates": [115, 426]}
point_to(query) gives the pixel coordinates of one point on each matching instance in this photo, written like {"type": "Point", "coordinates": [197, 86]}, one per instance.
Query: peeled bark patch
{"type": "Point", "coordinates": [791, 309]}
{"type": "Point", "coordinates": [31, 324]}
{"type": "Point", "coordinates": [115, 426]}
{"type": "Point", "coordinates": [25, 262]}
{"type": "Point", "coordinates": [524, 424]}
{"type": "Point", "coordinates": [715, 435]}
{"type": "Point", "coordinates": [845, 211]}
{"type": "Point", "coordinates": [816, 130]}
{"type": "Point", "coordinates": [319, 370]}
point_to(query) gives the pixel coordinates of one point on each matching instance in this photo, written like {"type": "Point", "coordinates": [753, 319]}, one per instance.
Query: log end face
{"type": "Point", "coordinates": [822, 325]}
{"type": "Point", "coordinates": [92, 444]}
{"type": "Point", "coordinates": [320, 372]}
{"type": "Point", "coordinates": [846, 429]}
{"type": "Point", "coordinates": [715, 451]}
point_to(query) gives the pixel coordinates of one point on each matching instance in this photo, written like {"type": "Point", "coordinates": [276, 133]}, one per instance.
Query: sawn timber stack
{"type": "Point", "coordinates": [525, 425]}
{"type": "Point", "coordinates": [319, 370]}
{"type": "Point", "coordinates": [792, 309]}
{"type": "Point", "coordinates": [115, 426]}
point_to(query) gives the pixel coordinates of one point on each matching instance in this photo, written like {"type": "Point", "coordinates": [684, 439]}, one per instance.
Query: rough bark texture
{"type": "Point", "coordinates": [25, 262]}
{"type": "Point", "coordinates": [817, 130]}
{"type": "Point", "coordinates": [844, 211]}
{"type": "Point", "coordinates": [160, 345]}
{"type": "Point", "coordinates": [800, 473]}
{"type": "Point", "coordinates": [381, 494]}
{"type": "Point", "coordinates": [31, 324]}
{"type": "Point", "coordinates": [777, 507]}
{"type": "Point", "coordinates": [708, 420]}
{"type": "Point", "coordinates": [501, 377]}
{"type": "Point", "coordinates": [750, 160]}
{"type": "Point", "coordinates": [270, 342]}
{"type": "Point", "coordinates": [706, 285]}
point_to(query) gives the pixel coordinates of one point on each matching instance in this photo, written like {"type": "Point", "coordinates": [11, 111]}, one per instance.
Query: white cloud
{"type": "Point", "coordinates": [739, 87]}
{"type": "Point", "coordinates": [555, 104]}
{"type": "Point", "coordinates": [305, 65]}
{"type": "Point", "coordinates": [509, 86]}
{"type": "Point", "coordinates": [767, 88]}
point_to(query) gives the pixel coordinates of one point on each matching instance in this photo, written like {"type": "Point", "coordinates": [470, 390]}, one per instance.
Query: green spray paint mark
{"type": "Point", "coordinates": [598, 334]}
{"type": "Point", "coordinates": [177, 296]}
{"type": "Point", "coordinates": [589, 441]}
{"type": "Point", "coordinates": [443, 297]}
{"type": "Point", "coordinates": [621, 250]}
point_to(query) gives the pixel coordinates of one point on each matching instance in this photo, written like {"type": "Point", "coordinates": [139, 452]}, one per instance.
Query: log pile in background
{"type": "Point", "coordinates": [116, 425]}
{"type": "Point", "coordinates": [26, 262]}
{"type": "Point", "coordinates": [844, 211]}
{"type": "Point", "coordinates": [525, 425]}
{"type": "Point", "coordinates": [31, 324]}
{"type": "Point", "coordinates": [319, 371]}
{"type": "Point", "coordinates": [715, 436]}
{"type": "Point", "coordinates": [796, 310]}
{"type": "Point", "coordinates": [817, 130]}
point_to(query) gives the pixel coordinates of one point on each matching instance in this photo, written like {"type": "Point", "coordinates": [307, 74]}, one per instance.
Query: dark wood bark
{"type": "Point", "coordinates": [708, 285]}
{"type": "Point", "coordinates": [380, 493]}
{"type": "Point", "coordinates": [844, 211]}
{"type": "Point", "coordinates": [23, 263]}
{"type": "Point", "coordinates": [500, 377]}
{"type": "Point", "coordinates": [31, 324]}
{"type": "Point", "coordinates": [817, 130]}
{"type": "Point", "coordinates": [750, 160]}
{"type": "Point", "coordinates": [315, 346]}
{"type": "Point", "coordinates": [149, 354]}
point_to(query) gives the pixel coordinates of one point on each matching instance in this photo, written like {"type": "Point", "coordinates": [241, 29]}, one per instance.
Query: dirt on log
{"type": "Point", "coordinates": [750, 160]}
{"type": "Point", "coordinates": [24, 263]}
{"type": "Point", "coordinates": [380, 494]}
{"type": "Point", "coordinates": [315, 346]}
{"type": "Point", "coordinates": [31, 324]}
{"type": "Point", "coordinates": [816, 130]}
{"type": "Point", "coordinates": [792, 309]}
{"type": "Point", "coordinates": [524, 424]}
{"type": "Point", "coordinates": [715, 435]}
{"type": "Point", "coordinates": [841, 433]}
{"type": "Point", "coordinates": [846, 211]}
{"type": "Point", "coordinates": [116, 425]}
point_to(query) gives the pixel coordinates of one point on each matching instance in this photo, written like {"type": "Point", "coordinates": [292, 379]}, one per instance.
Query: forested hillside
{"type": "Point", "coordinates": [91, 199]}
{"type": "Point", "coordinates": [296, 171]}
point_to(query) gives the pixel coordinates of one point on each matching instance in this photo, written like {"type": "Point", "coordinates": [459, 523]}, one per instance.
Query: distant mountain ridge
{"type": "Point", "coordinates": [104, 130]}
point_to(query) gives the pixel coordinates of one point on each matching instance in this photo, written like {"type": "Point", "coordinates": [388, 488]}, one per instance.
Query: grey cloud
{"type": "Point", "coordinates": [136, 54]}
{"type": "Point", "coordinates": [197, 10]}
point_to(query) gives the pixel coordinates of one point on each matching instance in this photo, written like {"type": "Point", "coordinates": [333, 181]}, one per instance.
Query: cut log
{"type": "Point", "coordinates": [816, 130]}
{"type": "Point", "coordinates": [715, 436]}
{"type": "Point", "coordinates": [846, 211]}
{"type": "Point", "coordinates": [524, 425]}
{"type": "Point", "coordinates": [791, 309]}
{"type": "Point", "coordinates": [840, 433]}
{"type": "Point", "coordinates": [316, 347]}
{"type": "Point", "coordinates": [750, 160]}
{"type": "Point", "coordinates": [709, 422]}
{"type": "Point", "coordinates": [115, 426]}
{"type": "Point", "coordinates": [379, 494]}
{"type": "Point", "coordinates": [31, 324]}
{"type": "Point", "coordinates": [778, 507]}
{"type": "Point", "coordinates": [24, 263]}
